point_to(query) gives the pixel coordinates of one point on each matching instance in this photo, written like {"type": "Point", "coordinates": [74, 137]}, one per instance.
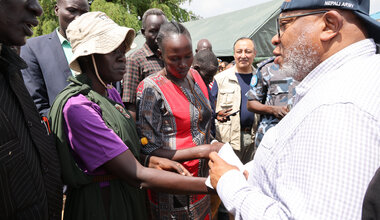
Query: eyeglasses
{"type": "Point", "coordinates": [281, 27]}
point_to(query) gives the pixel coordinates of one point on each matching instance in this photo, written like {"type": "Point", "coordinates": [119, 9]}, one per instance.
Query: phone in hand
{"type": "Point", "coordinates": [234, 113]}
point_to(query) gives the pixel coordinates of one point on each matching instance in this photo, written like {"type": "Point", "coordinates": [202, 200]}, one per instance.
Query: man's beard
{"type": "Point", "coordinates": [300, 58]}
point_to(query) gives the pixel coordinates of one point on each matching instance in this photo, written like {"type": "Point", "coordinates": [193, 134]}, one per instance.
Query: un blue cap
{"type": "Point", "coordinates": [359, 7]}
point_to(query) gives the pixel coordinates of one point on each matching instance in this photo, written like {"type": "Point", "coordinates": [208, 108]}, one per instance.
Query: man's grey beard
{"type": "Point", "coordinates": [300, 58]}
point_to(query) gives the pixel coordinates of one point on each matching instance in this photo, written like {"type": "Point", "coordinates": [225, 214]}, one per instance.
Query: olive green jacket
{"type": "Point", "coordinates": [84, 200]}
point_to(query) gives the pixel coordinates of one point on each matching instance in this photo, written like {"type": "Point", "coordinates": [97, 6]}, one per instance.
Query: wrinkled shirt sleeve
{"type": "Point", "coordinates": [245, 201]}
{"type": "Point", "coordinates": [149, 118]}
{"type": "Point", "coordinates": [89, 136]}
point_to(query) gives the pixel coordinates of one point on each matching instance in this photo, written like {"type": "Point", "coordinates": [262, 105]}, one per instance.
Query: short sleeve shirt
{"type": "Point", "coordinates": [272, 87]}
{"type": "Point", "coordinates": [92, 142]}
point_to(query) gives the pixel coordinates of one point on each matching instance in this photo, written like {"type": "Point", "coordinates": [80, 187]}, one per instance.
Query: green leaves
{"type": "Point", "coordinates": [48, 21]}
{"type": "Point", "coordinates": [124, 12]}
{"type": "Point", "coordinates": [118, 12]}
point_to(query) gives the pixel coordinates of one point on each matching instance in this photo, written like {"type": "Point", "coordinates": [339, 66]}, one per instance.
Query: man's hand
{"type": "Point", "coordinates": [218, 167]}
{"type": "Point", "coordinates": [161, 163]}
{"type": "Point", "coordinates": [279, 111]}
{"type": "Point", "coordinates": [223, 115]}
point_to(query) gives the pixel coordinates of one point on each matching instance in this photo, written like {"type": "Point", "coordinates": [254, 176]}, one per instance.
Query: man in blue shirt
{"type": "Point", "coordinates": [234, 122]}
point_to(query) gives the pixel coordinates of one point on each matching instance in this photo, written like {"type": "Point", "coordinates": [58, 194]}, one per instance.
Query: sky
{"type": "Point", "coordinates": [210, 8]}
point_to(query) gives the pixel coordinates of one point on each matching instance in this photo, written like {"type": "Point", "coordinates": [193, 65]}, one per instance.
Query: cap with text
{"type": "Point", "coordinates": [359, 7]}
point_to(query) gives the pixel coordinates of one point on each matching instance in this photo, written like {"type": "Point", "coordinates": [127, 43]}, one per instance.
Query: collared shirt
{"type": "Point", "coordinates": [272, 88]}
{"type": "Point", "coordinates": [317, 162]}
{"type": "Point", "coordinates": [66, 46]}
{"type": "Point", "coordinates": [140, 64]}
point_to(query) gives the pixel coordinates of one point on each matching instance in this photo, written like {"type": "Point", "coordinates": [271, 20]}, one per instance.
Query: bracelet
{"type": "Point", "coordinates": [146, 161]}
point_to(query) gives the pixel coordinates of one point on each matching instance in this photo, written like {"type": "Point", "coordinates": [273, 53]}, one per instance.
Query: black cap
{"type": "Point", "coordinates": [359, 7]}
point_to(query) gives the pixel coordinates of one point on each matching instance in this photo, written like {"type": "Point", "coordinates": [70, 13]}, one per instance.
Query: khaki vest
{"type": "Point", "coordinates": [229, 96]}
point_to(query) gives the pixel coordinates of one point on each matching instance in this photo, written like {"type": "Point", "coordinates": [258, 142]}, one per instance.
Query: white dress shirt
{"type": "Point", "coordinates": [317, 162]}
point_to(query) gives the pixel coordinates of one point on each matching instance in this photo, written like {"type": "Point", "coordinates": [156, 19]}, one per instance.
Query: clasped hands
{"type": "Point", "coordinates": [162, 163]}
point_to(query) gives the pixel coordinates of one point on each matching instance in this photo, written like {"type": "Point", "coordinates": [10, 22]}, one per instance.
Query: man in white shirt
{"type": "Point", "coordinates": [317, 162]}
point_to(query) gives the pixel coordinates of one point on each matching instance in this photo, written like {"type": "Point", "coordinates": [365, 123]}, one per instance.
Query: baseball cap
{"type": "Point", "coordinates": [96, 33]}
{"type": "Point", "coordinates": [359, 7]}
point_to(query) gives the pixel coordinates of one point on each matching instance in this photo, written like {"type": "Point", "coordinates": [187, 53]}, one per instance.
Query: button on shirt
{"type": "Point", "coordinates": [318, 161]}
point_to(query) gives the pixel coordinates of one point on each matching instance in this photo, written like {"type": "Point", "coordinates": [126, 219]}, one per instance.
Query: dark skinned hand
{"type": "Point", "coordinates": [279, 111]}
{"type": "Point", "coordinates": [168, 165]}
{"type": "Point", "coordinates": [216, 146]}
{"type": "Point", "coordinates": [223, 115]}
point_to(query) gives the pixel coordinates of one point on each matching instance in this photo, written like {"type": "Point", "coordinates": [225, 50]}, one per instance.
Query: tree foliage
{"type": "Point", "coordinates": [48, 21]}
{"type": "Point", "coordinates": [124, 12]}
{"type": "Point", "coordinates": [117, 12]}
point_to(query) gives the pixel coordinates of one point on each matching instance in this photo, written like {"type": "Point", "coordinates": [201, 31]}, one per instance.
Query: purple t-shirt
{"type": "Point", "coordinates": [92, 142]}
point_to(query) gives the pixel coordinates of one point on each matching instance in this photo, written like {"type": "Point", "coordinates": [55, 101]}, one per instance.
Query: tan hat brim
{"type": "Point", "coordinates": [110, 40]}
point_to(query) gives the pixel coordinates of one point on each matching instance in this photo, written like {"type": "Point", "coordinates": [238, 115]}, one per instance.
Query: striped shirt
{"type": "Point", "coordinates": [317, 162]}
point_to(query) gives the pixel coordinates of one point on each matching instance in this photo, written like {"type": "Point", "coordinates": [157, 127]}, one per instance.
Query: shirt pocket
{"type": "Point", "coordinates": [226, 98]}
{"type": "Point", "coordinates": [279, 87]}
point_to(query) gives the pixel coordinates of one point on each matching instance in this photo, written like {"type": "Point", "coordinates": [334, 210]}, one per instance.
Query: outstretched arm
{"type": "Point", "coordinates": [201, 151]}
{"type": "Point", "coordinates": [129, 169]}
{"type": "Point", "coordinates": [99, 147]}
{"type": "Point", "coordinates": [161, 163]}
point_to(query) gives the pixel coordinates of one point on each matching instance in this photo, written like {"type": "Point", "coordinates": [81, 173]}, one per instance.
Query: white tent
{"type": "Point", "coordinates": [257, 22]}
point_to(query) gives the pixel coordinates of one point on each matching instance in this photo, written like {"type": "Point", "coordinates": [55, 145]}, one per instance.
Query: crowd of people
{"type": "Point", "coordinates": [305, 122]}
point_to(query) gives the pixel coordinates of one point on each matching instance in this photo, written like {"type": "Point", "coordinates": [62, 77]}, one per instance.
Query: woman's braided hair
{"type": "Point", "coordinates": [169, 28]}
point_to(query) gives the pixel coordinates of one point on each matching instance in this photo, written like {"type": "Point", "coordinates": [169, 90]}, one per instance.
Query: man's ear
{"type": "Point", "coordinates": [143, 31]}
{"type": "Point", "coordinates": [196, 67]}
{"type": "Point", "coordinates": [159, 53]}
{"type": "Point", "coordinates": [333, 22]}
{"type": "Point", "coordinates": [56, 9]}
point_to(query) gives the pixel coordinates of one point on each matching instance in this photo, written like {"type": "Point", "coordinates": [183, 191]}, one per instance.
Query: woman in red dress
{"type": "Point", "coordinates": [175, 116]}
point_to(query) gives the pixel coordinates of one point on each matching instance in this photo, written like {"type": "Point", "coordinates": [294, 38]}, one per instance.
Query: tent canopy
{"type": "Point", "coordinates": [257, 22]}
